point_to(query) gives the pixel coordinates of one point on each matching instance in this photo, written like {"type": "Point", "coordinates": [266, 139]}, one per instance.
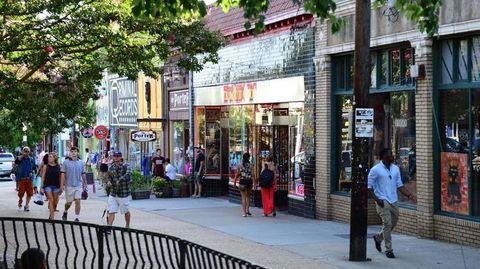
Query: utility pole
{"type": "Point", "coordinates": [358, 214]}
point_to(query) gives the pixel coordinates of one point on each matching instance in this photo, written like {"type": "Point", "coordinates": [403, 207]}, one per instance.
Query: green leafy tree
{"type": "Point", "coordinates": [424, 13]}
{"type": "Point", "coordinates": [53, 53]}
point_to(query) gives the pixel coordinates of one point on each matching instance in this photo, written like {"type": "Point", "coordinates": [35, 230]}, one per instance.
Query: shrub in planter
{"type": "Point", "coordinates": [185, 186]}
{"type": "Point", "coordinates": [158, 185]}
{"type": "Point", "coordinates": [140, 186]}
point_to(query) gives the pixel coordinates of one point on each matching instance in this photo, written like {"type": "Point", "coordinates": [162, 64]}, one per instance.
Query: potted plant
{"type": "Point", "coordinates": [185, 186]}
{"type": "Point", "coordinates": [158, 185]}
{"type": "Point", "coordinates": [140, 186]}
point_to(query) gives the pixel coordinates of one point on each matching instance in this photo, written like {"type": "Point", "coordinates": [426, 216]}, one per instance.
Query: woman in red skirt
{"type": "Point", "coordinates": [269, 193]}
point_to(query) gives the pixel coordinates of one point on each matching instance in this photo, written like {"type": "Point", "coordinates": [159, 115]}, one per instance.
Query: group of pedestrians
{"type": "Point", "coordinates": [56, 178]}
{"type": "Point", "coordinates": [247, 181]}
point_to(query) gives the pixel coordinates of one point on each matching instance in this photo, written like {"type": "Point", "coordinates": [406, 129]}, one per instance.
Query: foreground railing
{"type": "Point", "coordinates": [85, 245]}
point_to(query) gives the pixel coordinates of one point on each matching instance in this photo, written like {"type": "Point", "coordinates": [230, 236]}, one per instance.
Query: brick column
{"type": "Point", "coordinates": [424, 137]}
{"type": "Point", "coordinates": [323, 125]}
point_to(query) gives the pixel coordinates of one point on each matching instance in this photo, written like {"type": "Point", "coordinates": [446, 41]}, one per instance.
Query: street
{"type": "Point", "coordinates": [283, 242]}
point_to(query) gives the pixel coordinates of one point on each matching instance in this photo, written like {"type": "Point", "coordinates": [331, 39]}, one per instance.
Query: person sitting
{"type": "Point", "coordinates": [170, 171]}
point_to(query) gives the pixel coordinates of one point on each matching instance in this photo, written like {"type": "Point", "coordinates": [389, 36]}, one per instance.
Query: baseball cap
{"type": "Point", "coordinates": [117, 152]}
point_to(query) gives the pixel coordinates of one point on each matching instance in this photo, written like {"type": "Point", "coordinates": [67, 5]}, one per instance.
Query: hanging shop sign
{"type": "Point", "coordinates": [364, 122]}
{"type": "Point", "coordinates": [100, 132]}
{"type": "Point", "coordinates": [123, 98]}
{"type": "Point", "coordinates": [282, 90]}
{"type": "Point", "coordinates": [143, 136]}
{"type": "Point", "coordinates": [87, 132]}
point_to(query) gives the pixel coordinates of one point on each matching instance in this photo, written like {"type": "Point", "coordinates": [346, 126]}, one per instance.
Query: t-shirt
{"type": "Point", "coordinates": [73, 171]}
{"type": "Point", "coordinates": [385, 182]}
{"type": "Point", "coordinates": [200, 158]}
{"type": "Point", "coordinates": [171, 171]}
{"type": "Point", "coordinates": [158, 169]}
{"type": "Point", "coordinates": [88, 159]}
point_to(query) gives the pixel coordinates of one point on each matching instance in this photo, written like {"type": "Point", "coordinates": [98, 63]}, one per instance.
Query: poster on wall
{"type": "Point", "coordinates": [454, 184]}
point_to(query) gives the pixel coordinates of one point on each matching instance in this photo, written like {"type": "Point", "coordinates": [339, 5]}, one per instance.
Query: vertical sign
{"type": "Point", "coordinates": [364, 122]}
{"type": "Point", "coordinates": [123, 102]}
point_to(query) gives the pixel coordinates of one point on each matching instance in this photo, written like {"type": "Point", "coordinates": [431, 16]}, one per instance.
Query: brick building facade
{"type": "Point", "coordinates": [431, 122]}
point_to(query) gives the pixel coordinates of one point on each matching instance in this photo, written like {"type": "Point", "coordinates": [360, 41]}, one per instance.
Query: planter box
{"type": "Point", "coordinates": [137, 195]}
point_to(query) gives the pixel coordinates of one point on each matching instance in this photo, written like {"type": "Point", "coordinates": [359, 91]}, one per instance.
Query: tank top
{"type": "Point", "coordinates": [52, 175]}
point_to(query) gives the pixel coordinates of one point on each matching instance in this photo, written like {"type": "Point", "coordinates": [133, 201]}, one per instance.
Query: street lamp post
{"type": "Point", "coordinates": [24, 140]}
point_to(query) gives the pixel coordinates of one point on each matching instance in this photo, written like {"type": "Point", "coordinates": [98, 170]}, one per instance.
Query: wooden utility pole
{"type": "Point", "coordinates": [358, 215]}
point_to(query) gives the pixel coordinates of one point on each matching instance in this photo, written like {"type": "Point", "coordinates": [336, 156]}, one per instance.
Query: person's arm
{"type": "Point", "coordinates": [407, 193]}
{"type": "Point", "coordinates": [237, 175]}
{"type": "Point", "coordinates": [62, 181]}
{"type": "Point", "coordinates": [43, 172]}
{"type": "Point", "coordinates": [372, 177]}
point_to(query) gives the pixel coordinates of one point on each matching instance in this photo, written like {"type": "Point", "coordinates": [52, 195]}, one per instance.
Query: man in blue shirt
{"type": "Point", "coordinates": [383, 181]}
{"type": "Point", "coordinates": [74, 181]}
{"type": "Point", "coordinates": [24, 166]}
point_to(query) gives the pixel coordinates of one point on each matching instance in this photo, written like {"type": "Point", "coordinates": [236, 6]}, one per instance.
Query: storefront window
{"type": "Point", "coordinates": [200, 128]}
{"type": "Point", "coordinates": [476, 59]}
{"type": "Point", "coordinates": [475, 177]}
{"type": "Point", "coordinates": [344, 143]}
{"type": "Point", "coordinates": [454, 151]}
{"type": "Point", "coordinates": [177, 150]}
{"type": "Point", "coordinates": [240, 129]}
{"type": "Point", "coordinates": [447, 62]}
{"type": "Point", "coordinates": [212, 141]}
{"type": "Point", "coordinates": [403, 139]}
{"type": "Point", "coordinates": [463, 60]}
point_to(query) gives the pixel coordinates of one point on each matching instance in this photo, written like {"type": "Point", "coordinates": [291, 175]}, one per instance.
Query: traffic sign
{"type": "Point", "coordinates": [101, 132]}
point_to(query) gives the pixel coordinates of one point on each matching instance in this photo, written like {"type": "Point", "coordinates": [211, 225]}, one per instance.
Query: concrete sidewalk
{"type": "Point", "coordinates": [283, 242]}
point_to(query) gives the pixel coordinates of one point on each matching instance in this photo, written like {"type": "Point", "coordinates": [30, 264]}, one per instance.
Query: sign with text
{"type": "Point", "coordinates": [178, 100]}
{"type": "Point", "coordinates": [143, 136]}
{"type": "Point", "coordinates": [299, 189]}
{"type": "Point", "coordinates": [123, 102]}
{"type": "Point", "coordinates": [364, 122]}
{"type": "Point", "coordinates": [87, 132]}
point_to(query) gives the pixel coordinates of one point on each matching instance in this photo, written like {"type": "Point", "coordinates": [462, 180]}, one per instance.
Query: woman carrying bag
{"type": "Point", "coordinates": [51, 183]}
{"type": "Point", "coordinates": [268, 179]}
{"type": "Point", "coordinates": [244, 173]}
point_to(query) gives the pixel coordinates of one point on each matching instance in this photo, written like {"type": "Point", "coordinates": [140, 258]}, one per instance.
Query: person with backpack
{"type": "Point", "coordinates": [268, 185]}
{"type": "Point", "coordinates": [246, 183]}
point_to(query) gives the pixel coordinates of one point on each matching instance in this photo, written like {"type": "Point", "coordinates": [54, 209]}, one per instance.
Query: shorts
{"type": "Point", "coordinates": [25, 186]}
{"type": "Point", "coordinates": [51, 188]}
{"type": "Point", "coordinates": [73, 193]}
{"type": "Point", "coordinates": [116, 203]}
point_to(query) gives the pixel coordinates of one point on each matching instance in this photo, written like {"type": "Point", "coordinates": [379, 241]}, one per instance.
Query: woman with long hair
{"type": "Point", "coordinates": [268, 193]}
{"type": "Point", "coordinates": [246, 183]}
{"type": "Point", "coordinates": [51, 183]}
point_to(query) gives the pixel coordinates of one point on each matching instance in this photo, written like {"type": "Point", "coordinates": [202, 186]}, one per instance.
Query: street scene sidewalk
{"type": "Point", "coordinates": [285, 241]}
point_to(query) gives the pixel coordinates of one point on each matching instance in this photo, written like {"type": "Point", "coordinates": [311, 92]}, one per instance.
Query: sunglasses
{"type": "Point", "coordinates": [116, 155]}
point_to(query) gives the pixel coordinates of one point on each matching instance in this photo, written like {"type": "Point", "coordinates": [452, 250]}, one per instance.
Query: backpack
{"type": "Point", "coordinates": [245, 175]}
{"type": "Point", "coordinates": [266, 178]}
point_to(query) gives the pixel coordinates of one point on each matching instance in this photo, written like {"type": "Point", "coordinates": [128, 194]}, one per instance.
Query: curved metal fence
{"type": "Point", "coordinates": [84, 245]}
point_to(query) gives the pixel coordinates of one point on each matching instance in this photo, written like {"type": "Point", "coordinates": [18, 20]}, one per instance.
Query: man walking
{"type": "Point", "coordinates": [198, 173]}
{"type": "Point", "coordinates": [383, 181]}
{"type": "Point", "coordinates": [158, 169]}
{"type": "Point", "coordinates": [119, 178]}
{"type": "Point", "coordinates": [74, 181]}
{"type": "Point", "coordinates": [24, 165]}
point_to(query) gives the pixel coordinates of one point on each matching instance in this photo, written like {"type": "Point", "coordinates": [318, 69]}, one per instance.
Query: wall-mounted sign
{"type": "Point", "coordinates": [282, 90]}
{"type": "Point", "coordinates": [123, 102]}
{"type": "Point", "coordinates": [100, 132]}
{"type": "Point", "coordinates": [364, 122]}
{"type": "Point", "coordinates": [178, 100]}
{"type": "Point", "coordinates": [143, 136]}
{"type": "Point", "coordinates": [87, 132]}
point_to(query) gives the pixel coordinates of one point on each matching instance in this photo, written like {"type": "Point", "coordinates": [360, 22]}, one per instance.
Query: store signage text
{"type": "Point", "coordinates": [179, 100]}
{"type": "Point", "coordinates": [123, 102]}
{"type": "Point", "coordinates": [239, 93]}
{"type": "Point", "coordinates": [143, 136]}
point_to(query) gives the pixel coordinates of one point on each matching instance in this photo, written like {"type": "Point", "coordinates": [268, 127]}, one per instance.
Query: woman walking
{"type": "Point", "coordinates": [103, 175]}
{"type": "Point", "coordinates": [269, 175]}
{"type": "Point", "coordinates": [51, 183]}
{"type": "Point", "coordinates": [244, 173]}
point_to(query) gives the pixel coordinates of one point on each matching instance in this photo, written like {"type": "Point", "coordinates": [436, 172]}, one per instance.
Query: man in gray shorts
{"type": "Point", "coordinates": [74, 180]}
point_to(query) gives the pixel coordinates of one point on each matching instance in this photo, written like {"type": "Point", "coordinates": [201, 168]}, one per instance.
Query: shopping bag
{"type": "Point", "coordinates": [38, 198]}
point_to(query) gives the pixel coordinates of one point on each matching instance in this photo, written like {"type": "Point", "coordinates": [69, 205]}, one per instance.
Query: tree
{"type": "Point", "coordinates": [53, 52]}
{"type": "Point", "coordinates": [423, 12]}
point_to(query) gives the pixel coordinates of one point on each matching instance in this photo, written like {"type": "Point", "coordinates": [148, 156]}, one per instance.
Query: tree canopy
{"type": "Point", "coordinates": [423, 12]}
{"type": "Point", "coordinates": [53, 52]}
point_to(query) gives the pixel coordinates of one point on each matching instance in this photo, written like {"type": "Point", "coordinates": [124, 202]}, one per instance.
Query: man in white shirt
{"type": "Point", "coordinates": [170, 171]}
{"type": "Point", "coordinates": [383, 181]}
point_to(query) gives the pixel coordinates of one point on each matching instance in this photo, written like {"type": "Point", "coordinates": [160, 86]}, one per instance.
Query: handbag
{"type": "Point", "coordinates": [84, 195]}
{"type": "Point", "coordinates": [38, 199]}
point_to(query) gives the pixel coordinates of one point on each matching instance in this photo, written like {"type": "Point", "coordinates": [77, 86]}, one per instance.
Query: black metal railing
{"type": "Point", "coordinates": [84, 245]}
